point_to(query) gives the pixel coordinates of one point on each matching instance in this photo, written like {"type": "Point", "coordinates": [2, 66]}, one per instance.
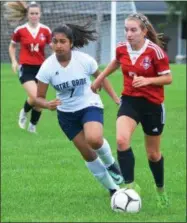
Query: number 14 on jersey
{"type": "Point", "coordinates": [34, 47]}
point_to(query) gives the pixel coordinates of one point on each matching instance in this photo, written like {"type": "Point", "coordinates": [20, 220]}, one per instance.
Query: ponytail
{"type": "Point", "coordinates": [78, 35]}
{"type": "Point", "coordinates": [15, 12]}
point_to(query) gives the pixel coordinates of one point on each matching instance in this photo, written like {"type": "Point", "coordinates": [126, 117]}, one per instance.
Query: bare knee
{"type": "Point", "coordinates": [31, 99]}
{"type": "Point", "coordinates": [95, 141]}
{"type": "Point", "coordinates": [154, 156]}
{"type": "Point", "coordinates": [123, 142]}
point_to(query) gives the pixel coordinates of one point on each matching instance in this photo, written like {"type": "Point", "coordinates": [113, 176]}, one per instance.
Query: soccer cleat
{"type": "Point", "coordinates": [31, 128]}
{"type": "Point", "coordinates": [22, 119]}
{"type": "Point", "coordinates": [112, 192]}
{"type": "Point", "coordinates": [115, 173]}
{"type": "Point", "coordinates": [162, 198]}
{"type": "Point", "coordinates": [134, 186]}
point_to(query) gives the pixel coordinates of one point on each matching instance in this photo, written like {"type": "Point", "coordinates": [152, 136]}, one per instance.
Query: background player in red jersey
{"type": "Point", "coordinates": [33, 37]}
{"type": "Point", "coordinates": [145, 69]}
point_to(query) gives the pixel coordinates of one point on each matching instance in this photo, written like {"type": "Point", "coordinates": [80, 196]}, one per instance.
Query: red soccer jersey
{"type": "Point", "coordinates": [32, 43]}
{"type": "Point", "coordinates": [150, 61]}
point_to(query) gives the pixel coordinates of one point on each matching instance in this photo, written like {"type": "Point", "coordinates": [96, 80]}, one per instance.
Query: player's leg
{"type": "Point", "coordinates": [126, 159]}
{"type": "Point", "coordinates": [153, 124]}
{"type": "Point", "coordinates": [31, 89]}
{"type": "Point", "coordinates": [156, 164]}
{"type": "Point", "coordinates": [27, 78]}
{"type": "Point", "coordinates": [71, 125]}
{"type": "Point", "coordinates": [93, 119]}
{"type": "Point", "coordinates": [126, 124]}
{"type": "Point", "coordinates": [27, 105]}
{"type": "Point", "coordinates": [94, 163]}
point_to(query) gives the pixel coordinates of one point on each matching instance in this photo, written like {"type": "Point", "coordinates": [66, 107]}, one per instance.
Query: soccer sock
{"type": "Point", "coordinates": [101, 174]}
{"type": "Point", "coordinates": [35, 116]}
{"type": "Point", "coordinates": [27, 107]}
{"type": "Point", "coordinates": [157, 169]}
{"type": "Point", "coordinates": [105, 154]}
{"type": "Point", "coordinates": [127, 163]}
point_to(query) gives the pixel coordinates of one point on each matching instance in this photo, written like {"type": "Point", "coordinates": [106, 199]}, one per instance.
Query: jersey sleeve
{"type": "Point", "coordinates": [48, 37]}
{"type": "Point", "coordinates": [117, 54]}
{"type": "Point", "coordinates": [162, 63]}
{"type": "Point", "coordinates": [16, 36]}
{"type": "Point", "coordinates": [43, 74]}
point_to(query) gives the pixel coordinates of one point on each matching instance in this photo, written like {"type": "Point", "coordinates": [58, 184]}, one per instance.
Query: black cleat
{"type": "Point", "coordinates": [112, 192]}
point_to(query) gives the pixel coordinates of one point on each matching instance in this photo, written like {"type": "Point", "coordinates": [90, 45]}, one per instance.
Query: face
{"type": "Point", "coordinates": [61, 44]}
{"type": "Point", "coordinates": [134, 33]}
{"type": "Point", "coordinates": [34, 15]}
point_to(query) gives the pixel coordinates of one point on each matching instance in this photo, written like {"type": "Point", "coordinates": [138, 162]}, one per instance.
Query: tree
{"type": "Point", "coordinates": [177, 6]}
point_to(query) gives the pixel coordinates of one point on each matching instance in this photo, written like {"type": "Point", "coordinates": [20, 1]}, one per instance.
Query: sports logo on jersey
{"type": "Point", "coordinates": [42, 37]}
{"type": "Point", "coordinates": [146, 63]}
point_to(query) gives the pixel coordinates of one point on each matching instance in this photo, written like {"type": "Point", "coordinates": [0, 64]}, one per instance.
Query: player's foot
{"type": "Point", "coordinates": [134, 186]}
{"type": "Point", "coordinates": [31, 128]}
{"type": "Point", "coordinates": [115, 173]}
{"type": "Point", "coordinates": [22, 119]}
{"type": "Point", "coordinates": [112, 192]}
{"type": "Point", "coordinates": [162, 198]}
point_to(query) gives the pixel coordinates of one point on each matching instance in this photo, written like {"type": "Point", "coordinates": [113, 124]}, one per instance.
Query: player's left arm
{"type": "Point", "coordinates": [141, 81]}
{"type": "Point", "coordinates": [108, 88]}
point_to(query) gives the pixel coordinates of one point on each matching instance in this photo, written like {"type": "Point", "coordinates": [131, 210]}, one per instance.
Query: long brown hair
{"type": "Point", "coordinates": [152, 35]}
{"type": "Point", "coordinates": [15, 12]}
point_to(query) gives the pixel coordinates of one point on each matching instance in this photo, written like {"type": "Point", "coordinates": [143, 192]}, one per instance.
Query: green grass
{"type": "Point", "coordinates": [44, 178]}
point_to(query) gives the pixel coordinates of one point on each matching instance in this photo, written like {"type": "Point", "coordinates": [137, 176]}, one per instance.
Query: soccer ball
{"type": "Point", "coordinates": [126, 200]}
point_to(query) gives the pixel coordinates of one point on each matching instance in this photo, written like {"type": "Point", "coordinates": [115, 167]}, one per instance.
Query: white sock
{"type": "Point", "coordinates": [105, 154]}
{"type": "Point", "coordinates": [100, 172]}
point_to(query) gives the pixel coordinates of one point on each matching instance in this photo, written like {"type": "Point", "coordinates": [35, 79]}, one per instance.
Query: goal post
{"type": "Point", "coordinates": [107, 17]}
{"type": "Point", "coordinates": [127, 8]}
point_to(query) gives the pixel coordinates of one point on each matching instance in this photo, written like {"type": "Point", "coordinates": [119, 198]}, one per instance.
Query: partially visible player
{"type": "Point", "coordinates": [80, 111]}
{"type": "Point", "coordinates": [145, 69]}
{"type": "Point", "coordinates": [32, 37]}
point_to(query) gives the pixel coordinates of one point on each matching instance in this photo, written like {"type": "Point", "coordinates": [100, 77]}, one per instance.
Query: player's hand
{"type": "Point", "coordinates": [140, 81]}
{"type": "Point", "coordinates": [52, 105]}
{"type": "Point", "coordinates": [117, 101]}
{"type": "Point", "coordinates": [96, 85]}
{"type": "Point", "coordinates": [15, 67]}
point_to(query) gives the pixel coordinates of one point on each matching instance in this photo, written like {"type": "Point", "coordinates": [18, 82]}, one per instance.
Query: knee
{"type": "Point", "coordinates": [154, 156]}
{"type": "Point", "coordinates": [31, 99]}
{"type": "Point", "coordinates": [95, 141]}
{"type": "Point", "coordinates": [123, 142]}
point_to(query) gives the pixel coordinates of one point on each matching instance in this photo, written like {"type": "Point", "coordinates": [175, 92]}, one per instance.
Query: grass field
{"type": "Point", "coordinates": [44, 179]}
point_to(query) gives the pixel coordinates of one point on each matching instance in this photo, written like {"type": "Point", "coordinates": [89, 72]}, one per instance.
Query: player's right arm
{"type": "Point", "coordinates": [41, 101]}
{"type": "Point", "coordinates": [113, 66]}
{"type": "Point", "coordinates": [12, 54]}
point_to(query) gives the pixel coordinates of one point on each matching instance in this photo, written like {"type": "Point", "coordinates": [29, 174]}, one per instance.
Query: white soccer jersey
{"type": "Point", "coordinates": [72, 83]}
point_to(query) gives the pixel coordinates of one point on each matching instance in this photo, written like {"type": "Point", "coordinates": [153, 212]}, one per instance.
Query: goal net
{"type": "Point", "coordinates": [55, 13]}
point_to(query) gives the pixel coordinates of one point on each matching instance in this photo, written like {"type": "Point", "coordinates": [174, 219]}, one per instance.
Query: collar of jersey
{"type": "Point", "coordinates": [129, 49]}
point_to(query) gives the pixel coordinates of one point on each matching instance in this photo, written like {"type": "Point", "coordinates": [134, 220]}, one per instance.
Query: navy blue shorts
{"type": "Point", "coordinates": [72, 123]}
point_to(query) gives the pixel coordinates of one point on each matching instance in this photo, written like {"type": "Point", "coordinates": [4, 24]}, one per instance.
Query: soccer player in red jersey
{"type": "Point", "coordinates": [32, 37]}
{"type": "Point", "coordinates": [145, 69]}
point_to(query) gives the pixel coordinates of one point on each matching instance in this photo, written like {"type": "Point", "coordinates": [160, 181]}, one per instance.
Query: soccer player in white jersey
{"type": "Point", "coordinates": [79, 109]}
{"type": "Point", "coordinates": [33, 38]}
{"type": "Point", "coordinates": [145, 68]}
